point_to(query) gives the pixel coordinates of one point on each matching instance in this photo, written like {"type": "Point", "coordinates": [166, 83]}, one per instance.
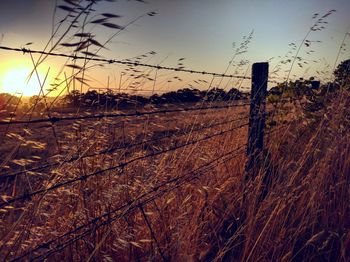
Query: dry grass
{"type": "Point", "coordinates": [95, 196]}
{"type": "Point", "coordinates": [159, 208]}
{"type": "Point", "coordinates": [302, 214]}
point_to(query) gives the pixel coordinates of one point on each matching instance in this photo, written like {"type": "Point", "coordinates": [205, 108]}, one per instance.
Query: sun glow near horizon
{"type": "Point", "coordinates": [15, 79]}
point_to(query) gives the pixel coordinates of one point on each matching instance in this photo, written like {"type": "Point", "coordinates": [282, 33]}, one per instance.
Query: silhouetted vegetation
{"type": "Point", "coordinates": [312, 91]}
{"type": "Point", "coordinates": [342, 73]}
{"type": "Point", "coordinates": [110, 100]}
{"type": "Point", "coordinates": [172, 186]}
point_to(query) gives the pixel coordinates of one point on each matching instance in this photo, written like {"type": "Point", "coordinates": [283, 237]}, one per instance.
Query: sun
{"type": "Point", "coordinates": [15, 81]}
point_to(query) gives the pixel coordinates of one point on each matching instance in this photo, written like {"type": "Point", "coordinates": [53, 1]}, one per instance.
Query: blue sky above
{"type": "Point", "coordinates": [200, 30]}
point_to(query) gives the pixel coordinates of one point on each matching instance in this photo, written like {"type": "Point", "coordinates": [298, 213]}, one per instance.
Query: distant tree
{"type": "Point", "coordinates": [170, 97]}
{"type": "Point", "coordinates": [138, 100]}
{"type": "Point", "coordinates": [188, 95]}
{"type": "Point", "coordinates": [108, 99]}
{"type": "Point", "coordinates": [122, 100]}
{"type": "Point", "coordinates": [91, 98]}
{"type": "Point", "coordinates": [216, 94]}
{"type": "Point", "coordinates": [73, 98]}
{"type": "Point", "coordinates": [155, 99]}
{"type": "Point", "coordinates": [234, 94]}
{"type": "Point", "coordinates": [342, 74]}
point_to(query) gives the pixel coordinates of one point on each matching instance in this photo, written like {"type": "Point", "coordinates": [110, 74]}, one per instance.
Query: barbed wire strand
{"type": "Point", "coordinates": [137, 114]}
{"type": "Point", "coordinates": [124, 62]}
{"type": "Point", "coordinates": [121, 165]}
{"type": "Point", "coordinates": [131, 205]}
{"type": "Point", "coordinates": [114, 61]}
{"type": "Point", "coordinates": [128, 146]}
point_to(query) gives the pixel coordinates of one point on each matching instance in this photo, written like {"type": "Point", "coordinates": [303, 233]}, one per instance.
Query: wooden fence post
{"type": "Point", "coordinates": [260, 73]}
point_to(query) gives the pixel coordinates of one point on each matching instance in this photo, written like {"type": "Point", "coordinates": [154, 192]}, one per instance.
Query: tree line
{"type": "Point", "coordinates": [308, 88]}
{"type": "Point", "coordinates": [125, 100]}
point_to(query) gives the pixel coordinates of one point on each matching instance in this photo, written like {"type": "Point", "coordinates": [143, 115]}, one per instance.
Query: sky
{"type": "Point", "coordinates": [202, 31]}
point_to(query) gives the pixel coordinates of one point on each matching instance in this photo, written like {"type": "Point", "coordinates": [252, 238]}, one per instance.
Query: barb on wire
{"type": "Point", "coordinates": [131, 206]}
{"type": "Point", "coordinates": [128, 146]}
{"type": "Point", "coordinates": [101, 172]}
{"type": "Point", "coordinates": [136, 114]}
{"type": "Point", "coordinates": [123, 62]}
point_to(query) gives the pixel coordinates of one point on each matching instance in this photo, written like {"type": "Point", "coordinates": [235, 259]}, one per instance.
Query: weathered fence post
{"type": "Point", "coordinates": [260, 73]}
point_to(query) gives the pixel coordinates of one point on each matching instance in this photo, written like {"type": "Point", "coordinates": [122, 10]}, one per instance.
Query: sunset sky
{"type": "Point", "coordinates": [202, 31]}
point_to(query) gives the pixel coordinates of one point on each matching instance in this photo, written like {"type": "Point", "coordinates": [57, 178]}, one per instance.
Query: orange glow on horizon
{"type": "Point", "coordinates": [14, 78]}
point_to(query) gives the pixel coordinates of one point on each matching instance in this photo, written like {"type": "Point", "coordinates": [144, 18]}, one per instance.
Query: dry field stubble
{"type": "Point", "coordinates": [205, 215]}
{"type": "Point", "coordinates": [55, 212]}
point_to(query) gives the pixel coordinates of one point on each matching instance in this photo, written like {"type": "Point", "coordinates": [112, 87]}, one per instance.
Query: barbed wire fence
{"type": "Point", "coordinates": [253, 121]}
